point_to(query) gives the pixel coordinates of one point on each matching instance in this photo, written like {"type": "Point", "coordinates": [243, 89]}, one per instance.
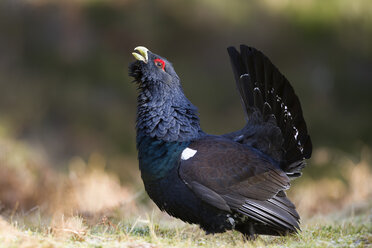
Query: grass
{"type": "Point", "coordinates": [88, 206]}
{"type": "Point", "coordinates": [337, 230]}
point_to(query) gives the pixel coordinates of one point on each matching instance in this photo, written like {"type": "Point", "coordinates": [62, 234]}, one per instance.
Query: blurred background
{"type": "Point", "coordinates": [67, 104]}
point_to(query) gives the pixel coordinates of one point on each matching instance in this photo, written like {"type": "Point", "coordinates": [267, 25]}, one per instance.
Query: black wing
{"type": "Point", "coordinates": [232, 177]}
{"type": "Point", "coordinates": [275, 122]}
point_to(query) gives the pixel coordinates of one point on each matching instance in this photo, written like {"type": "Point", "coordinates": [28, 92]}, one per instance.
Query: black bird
{"type": "Point", "coordinates": [233, 181]}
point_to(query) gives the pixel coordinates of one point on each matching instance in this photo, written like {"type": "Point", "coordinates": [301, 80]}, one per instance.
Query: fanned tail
{"type": "Point", "coordinates": [267, 93]}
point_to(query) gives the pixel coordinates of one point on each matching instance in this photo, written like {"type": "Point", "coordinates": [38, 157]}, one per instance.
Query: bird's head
{"type": "Point", "coordinates": [163, 111]}
{"type": "Point", "coordinates": [150, 68]}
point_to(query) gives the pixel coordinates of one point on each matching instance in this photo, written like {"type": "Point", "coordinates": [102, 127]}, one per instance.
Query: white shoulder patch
{"type": "Point", "coordinates": [188, 153]}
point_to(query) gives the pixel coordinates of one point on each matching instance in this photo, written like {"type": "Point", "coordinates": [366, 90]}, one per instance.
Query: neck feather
{"type": "Point", "coordinates": [165, 113]}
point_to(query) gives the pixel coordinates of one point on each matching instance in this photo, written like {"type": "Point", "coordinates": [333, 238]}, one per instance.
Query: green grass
{"type": "Point", "coordinates": [329, 231]}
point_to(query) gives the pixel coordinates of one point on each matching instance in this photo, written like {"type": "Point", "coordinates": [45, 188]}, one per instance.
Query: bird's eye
{"type": "Point", "coordinates": [159, 63]}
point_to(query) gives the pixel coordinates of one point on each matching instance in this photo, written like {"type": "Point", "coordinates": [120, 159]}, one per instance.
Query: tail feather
{"type": "Point", "coordinates": [277, 213]}
{"type": "Point", "coordinates": [246, 88]}
{"type": "Point", "coordinates": [264, 89]}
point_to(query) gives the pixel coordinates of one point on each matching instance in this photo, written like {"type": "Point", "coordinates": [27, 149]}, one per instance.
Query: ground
{"type": "Point", "coordinates": [88, 206]}
{"type": "Point", "coordinates": [344, 229]}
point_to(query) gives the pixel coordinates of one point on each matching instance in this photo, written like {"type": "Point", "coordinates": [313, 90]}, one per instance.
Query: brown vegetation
{"type": "Point", "coordinates": [28, 183]}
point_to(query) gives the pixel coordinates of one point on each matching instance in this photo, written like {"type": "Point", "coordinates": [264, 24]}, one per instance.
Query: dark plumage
{"type": "Point", "coordinates": [234, 181]}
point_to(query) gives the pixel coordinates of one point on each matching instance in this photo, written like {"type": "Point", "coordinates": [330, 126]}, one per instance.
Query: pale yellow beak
{"type": "Point", "coordinates": [142, 54]}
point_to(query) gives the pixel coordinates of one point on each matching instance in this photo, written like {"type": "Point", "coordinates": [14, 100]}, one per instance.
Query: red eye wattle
{"type": "Point", "coordinates": [159, 63]}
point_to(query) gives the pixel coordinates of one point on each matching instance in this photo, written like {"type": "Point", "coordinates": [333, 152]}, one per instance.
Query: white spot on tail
{"type": "Point", "coordinates": [244, 75]}
{"type": "Point", "coordinates": [188, 153]}
{"type": "Point", "coordinates": [296, 133]}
